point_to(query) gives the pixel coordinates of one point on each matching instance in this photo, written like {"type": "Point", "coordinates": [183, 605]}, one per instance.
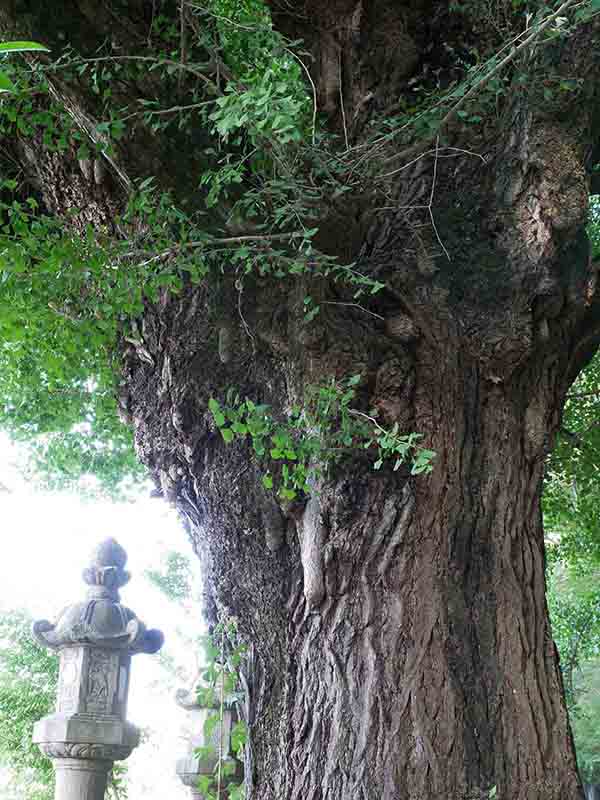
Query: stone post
{"type": "Point", "coordinates": [193, 765]}
{"type": "Point", "coordinates": [95, 639]}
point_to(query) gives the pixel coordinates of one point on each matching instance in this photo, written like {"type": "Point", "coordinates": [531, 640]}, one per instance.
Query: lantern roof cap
{"type": "Point", "coordinates": [101, 619]}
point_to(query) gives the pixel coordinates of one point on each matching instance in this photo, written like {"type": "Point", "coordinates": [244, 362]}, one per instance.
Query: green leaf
{"type": "Point", "coordinates": [219, 419]}
{"type": "Point", "coordinates": [204, 784]}
{"type": "Point", "coordinates": [216, 411]}
{"type": "Point", "coordinates": [239, 736]}
{"type": "Point", "coordinates": [22, 47]}
{"type": "Point", "coordinates": [146, 183]}
{"type": "Point", "coordinates": [227, 434]}
{"type": "Point", "coordinates": [210, 725]}
{"type": "Point", "coordinates": [6, 85]}
{"type": "Point", "coordinates": [427, 455]}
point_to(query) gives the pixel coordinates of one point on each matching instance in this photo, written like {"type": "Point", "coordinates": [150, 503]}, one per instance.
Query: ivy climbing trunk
{"type": "Point", "coordinates": [399, 642]}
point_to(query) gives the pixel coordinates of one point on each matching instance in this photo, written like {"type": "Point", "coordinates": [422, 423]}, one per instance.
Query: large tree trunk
{"type": "Point", "coordinates": [429, 668]}
{"type": "Point", "coordinates": [401, 646]}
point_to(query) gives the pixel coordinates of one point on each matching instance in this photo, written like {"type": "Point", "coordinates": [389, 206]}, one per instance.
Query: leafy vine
{"type": "Point", "coordinates": [324, 430]}
{"type": "Point", "coordinates": [220, 690]}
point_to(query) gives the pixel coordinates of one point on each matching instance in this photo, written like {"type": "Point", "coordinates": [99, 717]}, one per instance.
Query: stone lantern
{"type": "Point", "coordinates": [191, 767]}
{"type": "Point", "coordinates": [95, 639]}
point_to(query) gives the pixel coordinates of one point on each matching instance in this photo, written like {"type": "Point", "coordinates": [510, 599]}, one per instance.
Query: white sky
{"type": "Point", "coordinates": [46, 540]}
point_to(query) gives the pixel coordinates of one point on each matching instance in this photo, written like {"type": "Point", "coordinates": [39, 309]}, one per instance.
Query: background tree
{"type": "Point", "coordinates": [575, 611]}
{"type": "Point", "coordinates": [308, 247]}
{"type": "Point", "coordinates": [175, 579]}
{"type": "Point", "coordinates": [575, 614]}
{"type": "Point", "coordinates": [28, 679]}
{"type": "Point", "coordinates": [572, 497]}
{"type": "Point", "coordinates": [584, 720]}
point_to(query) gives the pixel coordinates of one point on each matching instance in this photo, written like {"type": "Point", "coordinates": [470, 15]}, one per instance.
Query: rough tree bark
{"type": "Point", "coordinates": [401, 646]}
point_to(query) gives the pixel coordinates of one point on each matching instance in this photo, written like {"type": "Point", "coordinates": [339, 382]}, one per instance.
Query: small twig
{"type": "Point", "coordinates": [149, 39]}
{"type": "Point", "coordinates": [160, 61]}
{"type": "Point", "coordinates": [239, 285]}
{"type": "Point", "coordinates": [401, 208]}
{"type": "Point", "coordinates": [236, 478]}
{"type": "Point", "coordinates": [340, 80]}
{"type": "Point", "coordinates": [314, 91]}
{"type": "Point", "coordinates": [89, 127]}
{"type": "Point", "coordinates": [352, 305]}
{"type": "Point", "coordinates": [182, 38]}
{"type": "Point", "coordinates": [429, 207]}
{"type": "Point", "coordinates": [206, 12]}
{"type": "Point", "coordinates": [273, 237]}
{"type": "Point", "coordinates": [457, 151]}
{"type": "Point", "coordinates": [356, 413]}
{"type": "Point", "coordinates": [258, 237]}
{"type": "Point", "coordinates": [163, 111]}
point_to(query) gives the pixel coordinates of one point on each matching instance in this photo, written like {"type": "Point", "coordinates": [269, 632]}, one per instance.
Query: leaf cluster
{"type": "Point", "coordinates": [325, 429]}
{"type": "Point", "coordinates": [220, 689]}
{"type": "Point", "coordinates": [175, 580]}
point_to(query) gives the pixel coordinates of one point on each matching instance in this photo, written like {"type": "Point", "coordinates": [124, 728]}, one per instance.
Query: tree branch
{"type": "Point", "coordinates": [530, 40]}
{"type": "Point", "coordinates": [228, 240]}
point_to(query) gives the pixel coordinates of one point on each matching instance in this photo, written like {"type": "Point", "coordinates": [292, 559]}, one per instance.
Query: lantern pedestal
{"type": "Point", "coordinates": [79, 779]}
{"type": "Point", "coordinates": [190, 768]}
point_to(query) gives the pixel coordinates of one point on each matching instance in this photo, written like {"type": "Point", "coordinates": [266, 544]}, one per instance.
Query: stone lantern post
{"type": "Point", "coordinates": [95, 639]}
{"type": "Point", "coordinates": [191, 767]}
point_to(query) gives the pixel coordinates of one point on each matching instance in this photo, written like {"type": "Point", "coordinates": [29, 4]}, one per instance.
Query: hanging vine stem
{"type": "Point", "coordinates": [314, 93]}
{"type": "Point", "coordinates": [431, 196]}
{"type": "Point", "coordinates": [221, 708]}
{"type": "Point", "coordinates": [341, 90]}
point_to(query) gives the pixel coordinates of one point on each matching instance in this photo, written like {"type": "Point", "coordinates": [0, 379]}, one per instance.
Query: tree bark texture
{"type": "Point", "coordinates": [400, 640]}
